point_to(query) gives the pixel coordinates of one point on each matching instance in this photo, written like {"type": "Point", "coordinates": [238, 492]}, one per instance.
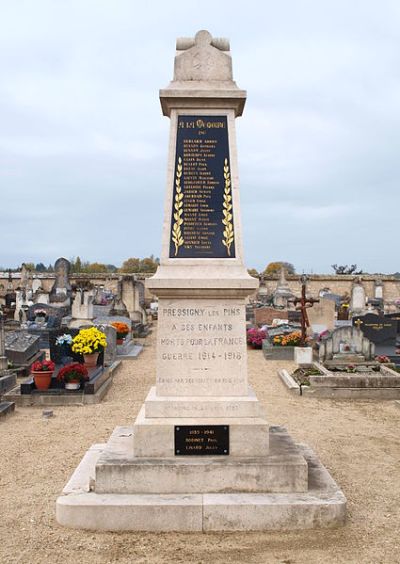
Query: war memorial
{"type": "Point", "coordinates": [201, 455]}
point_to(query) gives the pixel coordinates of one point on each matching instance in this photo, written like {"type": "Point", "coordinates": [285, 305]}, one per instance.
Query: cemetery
{"type": "Point", "coordinates": [191, 415]}
{"type": "Point", "coordinates": [39, 324]}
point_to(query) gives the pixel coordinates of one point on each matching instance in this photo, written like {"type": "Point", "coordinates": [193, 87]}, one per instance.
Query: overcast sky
{"type": "Point", "coordinates": [83, 143]}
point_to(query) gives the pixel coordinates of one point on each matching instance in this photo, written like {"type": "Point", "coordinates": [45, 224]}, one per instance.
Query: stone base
{"type": "Point", "coordinates": [282, 469]}
{"type": "Point", "coordinates": [204, 406]}
{"type": "Point", "coordinates": [154, 437]}
{"type": "Point", "coordinates": [79, 507]}
{"type": "Point", "coordinates": [129, 351]}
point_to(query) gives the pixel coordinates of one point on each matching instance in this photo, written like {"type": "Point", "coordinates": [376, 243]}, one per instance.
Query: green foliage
{"type": "Point", "coordinates": [130, 265]}
{"type": "Point", "coordinates": [275, 267]}
{"type": "Point", "coordinates": [148, 264]}
{"type": "Point", "coordinates": [95, 268]}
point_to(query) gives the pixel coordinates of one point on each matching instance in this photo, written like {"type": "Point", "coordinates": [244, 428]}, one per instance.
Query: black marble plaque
{"type": "Point", "coordinates": [378, 329]}
{"type": "Point", "coordinates": [202, 223]}
{"type": "Point", "coordinates": [200, 440]}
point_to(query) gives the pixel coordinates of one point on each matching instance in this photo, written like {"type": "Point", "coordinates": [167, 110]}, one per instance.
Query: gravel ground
{"type": "Point", "coordinates": [358, 441]}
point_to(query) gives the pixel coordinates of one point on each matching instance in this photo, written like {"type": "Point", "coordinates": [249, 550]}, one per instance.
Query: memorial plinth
{"type": "Point", "coordinates": [201, 447]}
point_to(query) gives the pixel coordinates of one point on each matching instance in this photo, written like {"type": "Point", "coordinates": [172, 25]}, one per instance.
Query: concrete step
{"type": "Point", "coordinates": [281, 469]}
{"type": "Point", "coordinates": [6, 407]}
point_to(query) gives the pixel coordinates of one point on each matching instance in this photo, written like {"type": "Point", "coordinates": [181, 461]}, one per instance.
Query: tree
{"type": "Point", "coordinates": [29, 266]}
{"type": "Point", "coordinates": [40, 267]}
{"type": "Point", "coordinates": [111, 268]}
{"type": "Point", "coordinates": [95, 268]}
{"type": "Point", "coordinates": [148, 264]}
{"type": "Point", "coordinates": [275, 267]}
{"type": "Point", "coordinates": [345, 269]}
{"type": "Point", "coordinates": [130, 265]}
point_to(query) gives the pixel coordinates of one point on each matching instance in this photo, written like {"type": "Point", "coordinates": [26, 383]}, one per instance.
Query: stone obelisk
{"type": "Point", "coordinates": [201, 282]}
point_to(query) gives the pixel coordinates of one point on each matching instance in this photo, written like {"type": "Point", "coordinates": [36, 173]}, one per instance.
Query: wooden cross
{"type": "Point", "coordinates": [305, 303]}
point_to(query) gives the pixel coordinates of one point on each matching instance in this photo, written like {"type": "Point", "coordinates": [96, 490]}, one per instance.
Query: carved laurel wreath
{"type": "Point", "coordinates": [178, 207]}
{"type": "Point", "coordinates": [227, 219]}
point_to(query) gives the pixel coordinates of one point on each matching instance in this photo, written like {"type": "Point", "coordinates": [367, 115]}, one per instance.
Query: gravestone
{"type": "Point", "coordinates": [378, 289]}
{"type": "Point", "coordinates": [201, 445]}
{"type": "Point", "coordinates": [110, 354]}
{"type": "Point", "coordinates": [82, 308]}
{"type": "Point", "coordinates": [21, 347]}
{"type": "Point", "coordinates": [322, 316]}
{"type": "Point", "coordinates": [282, 293]}
{"type": "Point", "coordinates": [346, 345]}
{"type": "Point", "coordinates": [380, 330]}
{"type": "Point", "coordinates": [357, 303]}
{"type": "Point", "coordinates": [53, 317]}
{"type": "Point", "coordinates": [60, 294]}
{"type": "Point", "coordinates": [36, 285]}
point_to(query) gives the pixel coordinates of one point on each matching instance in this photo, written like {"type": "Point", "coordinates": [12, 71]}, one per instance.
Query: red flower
{"type": "Point", "coordinates": [71, 372]}
{"type": "Point", "coordinates": [43, 366]}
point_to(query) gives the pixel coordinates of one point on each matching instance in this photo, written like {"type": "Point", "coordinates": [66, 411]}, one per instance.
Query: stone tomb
{"type": "Point", "coordinates": [200, 455]}
{"type": "Point", "coordinates": [346, 345]}
{"type": "Point", "coordinates": [21, 348]}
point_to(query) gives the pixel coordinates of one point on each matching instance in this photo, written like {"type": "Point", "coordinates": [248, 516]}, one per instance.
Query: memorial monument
{"type": "Point", "coordinates": [200, 455]}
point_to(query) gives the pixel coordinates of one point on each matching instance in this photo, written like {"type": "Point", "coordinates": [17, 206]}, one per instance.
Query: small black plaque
{"type": "Point", "coordinates": [201, 440]}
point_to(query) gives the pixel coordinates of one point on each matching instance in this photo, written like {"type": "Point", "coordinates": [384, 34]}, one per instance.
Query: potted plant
{"type": "Point", "coordinates": [89, 343]}
{"type": "Point", "coordinates": [42, 371]}
{"type": "Point", "coordinates": [122, 331]}
{"type": "Point", "coordinates": [73, 375]}
{"type": "Point", "coordinates": [255, 337]}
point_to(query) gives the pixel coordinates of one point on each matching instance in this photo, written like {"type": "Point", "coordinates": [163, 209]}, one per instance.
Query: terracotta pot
{"type": "Point", "coordinates": [120, 341]}
{"type": "Point", "coordinates": [72, 385]}
{"type": "Point", "coordinates": [91, 359]}
{"type": "Point", "coordinates": [42, 379]}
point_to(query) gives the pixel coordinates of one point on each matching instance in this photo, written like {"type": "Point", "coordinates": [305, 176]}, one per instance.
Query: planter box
{"type": "Point", "coordinates": [277, 353]}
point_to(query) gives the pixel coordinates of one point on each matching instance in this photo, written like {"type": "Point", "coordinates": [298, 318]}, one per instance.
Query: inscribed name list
{"type": "Point", "coordinates": [201, 349]}
{"type": "Point", "coordinates": [202, 209]}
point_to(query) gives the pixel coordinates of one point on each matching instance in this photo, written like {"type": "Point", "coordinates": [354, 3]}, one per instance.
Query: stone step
{"type": "Point", "coordinates": [6, 407]}
{"type": "Point", "coordinates": [283, 469]}
{"type": "Point", "coordinates": [323, 505]}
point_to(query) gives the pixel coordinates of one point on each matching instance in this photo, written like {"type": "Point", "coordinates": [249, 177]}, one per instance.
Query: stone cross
{"type": "Point", "coordinates": [305, 303]}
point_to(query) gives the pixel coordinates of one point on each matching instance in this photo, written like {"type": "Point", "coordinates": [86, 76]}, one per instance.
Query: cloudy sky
{"type": "Point", "coordinates": [83, 144]}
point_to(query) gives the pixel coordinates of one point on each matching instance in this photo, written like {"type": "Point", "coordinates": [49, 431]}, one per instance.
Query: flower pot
{"type": "Point", "coordinates": [72, 385]}
{"type": "Point", "coordinates": [120, 341]}
{"type": "Point", "coordinates": [42, 379]}
{"type": "Point", "coordinates": [91, 359]}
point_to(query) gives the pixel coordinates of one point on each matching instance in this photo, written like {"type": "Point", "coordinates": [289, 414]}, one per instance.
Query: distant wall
{"type": "Point", "coordinates": [338, 284]}
{"type": "Point", "coordinates": [110, 281]}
